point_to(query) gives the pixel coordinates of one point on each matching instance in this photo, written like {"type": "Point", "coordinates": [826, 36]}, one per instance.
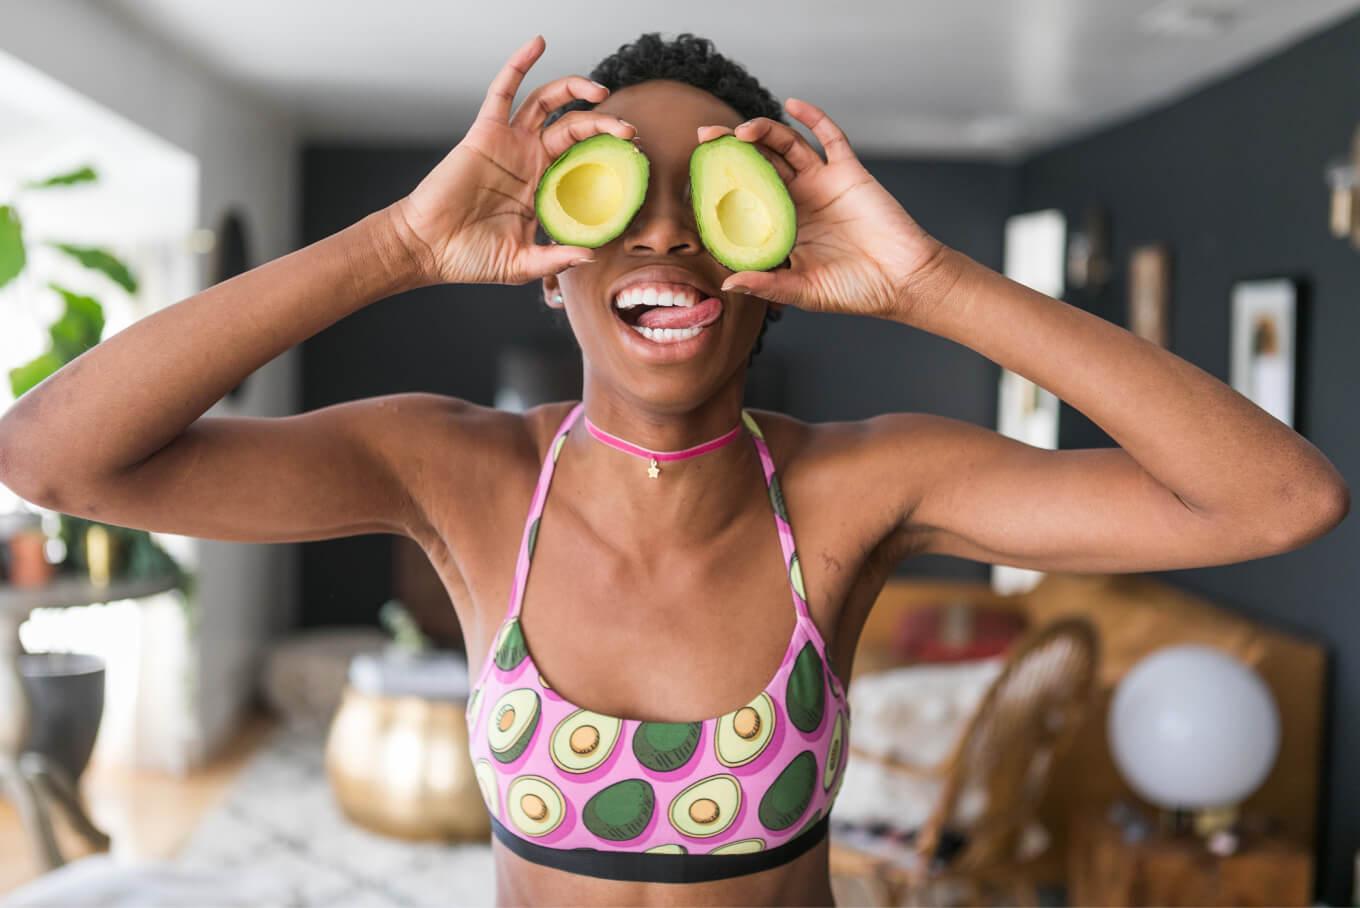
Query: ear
{"type": "Point", "coordinates": [552, 291]}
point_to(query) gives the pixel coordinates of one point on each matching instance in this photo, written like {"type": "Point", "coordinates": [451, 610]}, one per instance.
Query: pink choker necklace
{"type": "Point", "coordinates": [656, 458]}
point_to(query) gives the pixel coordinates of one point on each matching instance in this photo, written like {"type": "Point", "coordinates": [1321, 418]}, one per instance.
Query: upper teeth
{"type": "Point", "coordinates": [643, 295]}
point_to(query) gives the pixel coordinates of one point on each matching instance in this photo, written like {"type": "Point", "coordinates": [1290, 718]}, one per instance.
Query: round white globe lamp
{"type": "Point", "coordinates": [1195, 730]}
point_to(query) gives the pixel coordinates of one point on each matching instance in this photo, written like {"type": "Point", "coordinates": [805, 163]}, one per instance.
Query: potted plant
{"type": "Point", "coordinates": [67, 690]}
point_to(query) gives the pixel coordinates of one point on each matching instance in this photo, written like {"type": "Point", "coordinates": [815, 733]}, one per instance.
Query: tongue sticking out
{"type": "Point", "coordinates": [702, 313]}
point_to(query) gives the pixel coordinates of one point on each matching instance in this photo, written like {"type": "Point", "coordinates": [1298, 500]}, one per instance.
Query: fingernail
{"type": "Point", "coordinates": [598, 85]}
{"type": "Point", "coordinates": [581, 261]}
{"type": "Point", "coordinates": [736, 288]}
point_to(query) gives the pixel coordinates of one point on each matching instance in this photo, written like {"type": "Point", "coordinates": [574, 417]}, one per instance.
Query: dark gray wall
{"type": "Point", "coordinates": [1231, 179]}
{"type": "Point", "coordinates": [446, 339]}
{"type": "Point", "coordinates": [441, 339]}
{"type": "Point", "coordinates": [851, 367]}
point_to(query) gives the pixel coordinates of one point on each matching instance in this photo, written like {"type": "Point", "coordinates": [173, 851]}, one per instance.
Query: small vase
{"type": "Point", "coordinates": [103, 554]}
{"type": "Point", "coordinates": [28, 564]}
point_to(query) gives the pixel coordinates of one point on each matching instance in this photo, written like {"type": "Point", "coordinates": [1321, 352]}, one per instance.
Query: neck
{"type": "Point", "coordinates": [697, 497]}
{"type": "Point", "coordinates": [663, 429]}
{"type": "Point", "coordinates": [659, 457]}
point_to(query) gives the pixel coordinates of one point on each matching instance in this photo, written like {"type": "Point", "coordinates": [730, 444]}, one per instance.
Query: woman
{"type": "Point", "coordinates": [660, 595]}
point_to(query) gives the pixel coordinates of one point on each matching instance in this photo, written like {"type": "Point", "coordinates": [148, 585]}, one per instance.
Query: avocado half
{"type": "Point", "coordinates": [743, 210]}
{"type": "Point", "coordinates": [589, 194]}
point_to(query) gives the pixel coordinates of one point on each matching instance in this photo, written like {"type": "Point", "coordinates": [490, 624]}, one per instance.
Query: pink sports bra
{"type": "Point", "coordinates": [677, 802]}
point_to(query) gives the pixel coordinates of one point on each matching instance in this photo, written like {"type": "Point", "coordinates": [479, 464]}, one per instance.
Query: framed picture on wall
{"type": "Point", "coordinates": [1150, 293]}
{"type": "Point", "coordinates": [1034, 255]}
{"type": "Point", "coordinates": [1264, 315]}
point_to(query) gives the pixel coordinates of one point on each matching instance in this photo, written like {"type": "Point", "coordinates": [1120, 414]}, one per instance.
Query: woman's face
{"type": "Point", "coordinates": [710, 336]}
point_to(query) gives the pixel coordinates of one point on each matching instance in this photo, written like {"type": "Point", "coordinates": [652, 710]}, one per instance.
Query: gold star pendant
{"type": "Point", "coordinates": [653, 470]}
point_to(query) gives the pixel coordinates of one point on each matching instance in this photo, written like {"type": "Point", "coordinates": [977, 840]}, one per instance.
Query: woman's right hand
{"type": "Point", "coordinates": [471, 220]}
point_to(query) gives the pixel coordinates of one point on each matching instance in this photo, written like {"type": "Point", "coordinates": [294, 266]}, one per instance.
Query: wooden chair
{"type": "Point", "coordinates": [1001, 766]}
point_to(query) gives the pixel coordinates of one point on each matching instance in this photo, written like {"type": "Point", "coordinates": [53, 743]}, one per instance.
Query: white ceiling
{"type": "Point", "coordinates": [934, 77]}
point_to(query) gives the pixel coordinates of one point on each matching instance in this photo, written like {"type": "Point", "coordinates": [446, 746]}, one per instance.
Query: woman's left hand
{"type": "Point", "coordinates": [857, 251]}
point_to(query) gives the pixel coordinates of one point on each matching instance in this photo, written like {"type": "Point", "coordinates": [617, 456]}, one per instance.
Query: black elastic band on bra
{"type": "Point", "coordinates": [659, 868]}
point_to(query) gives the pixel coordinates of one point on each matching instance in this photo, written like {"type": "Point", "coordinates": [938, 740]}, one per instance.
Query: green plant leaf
{"type": "Point", "coordinates": [27, 376]}
{"type": "Point", "coordinates": [80, 326]}
{"type": "Point", "coordinates": [84, 174]}
{"type": "Point", "coordinates": [101, 260]}
{"type": "Point", "coordinates": [12, 255]}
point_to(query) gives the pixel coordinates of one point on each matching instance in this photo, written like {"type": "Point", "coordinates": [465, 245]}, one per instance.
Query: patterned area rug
{"type": "Point", "coordinates": [280, 829]}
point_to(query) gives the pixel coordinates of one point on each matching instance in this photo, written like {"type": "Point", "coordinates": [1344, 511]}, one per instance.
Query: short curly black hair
{"type": "Point", "coordinates": [692, 60]}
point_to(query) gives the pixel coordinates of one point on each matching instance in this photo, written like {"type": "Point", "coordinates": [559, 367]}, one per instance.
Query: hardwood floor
{"type": "Point", "coordinates": [148, 815]}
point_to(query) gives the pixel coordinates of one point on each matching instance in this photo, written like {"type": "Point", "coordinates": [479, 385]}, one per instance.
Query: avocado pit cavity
{"type": "Point", "coordinates": [744, 218]}
{"type": "Point", "coordinates": [591, 192]}
{"type": "Point", "coordinates": [743, 210]}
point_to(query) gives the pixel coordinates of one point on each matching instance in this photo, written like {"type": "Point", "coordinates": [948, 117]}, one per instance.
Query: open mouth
{"type": "Point", "coordinates": [665, 312]}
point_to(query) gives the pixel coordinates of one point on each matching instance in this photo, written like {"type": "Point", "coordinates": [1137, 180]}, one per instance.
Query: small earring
{"type": "Point", "coordinates": [557, 298]}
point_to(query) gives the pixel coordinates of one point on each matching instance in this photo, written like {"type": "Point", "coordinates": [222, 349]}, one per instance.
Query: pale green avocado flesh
{"type": "Point", "coordinates": [707, 807]}
{"type": "Point", "coordinates": [584, 740]}
{"type": "Point", "coordinates": [745, 216]}
{"type": "Point", "coordinates": [535, 805]}
{"type": "Point", "coordinates": [589, 194]}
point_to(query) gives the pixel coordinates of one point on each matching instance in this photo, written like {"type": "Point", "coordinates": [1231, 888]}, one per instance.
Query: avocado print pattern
{"type": "Point", "coordinates": [789, 795]}
{"type": "Point", "coordinates": [584, 740]}
{"type": "Point", "coordinates": [535, 805]}
{"type": "Point", "coordinates": [708, 807]}
{"type": "Point", "coordinates": [512, 723]}
{"type": "Point", "coordinates": [741, 736]}
{"type": "Point", "coordinates": [510, 650]}
{"type": "Point", "coordinates": [805, 696]}
{"type": "Point", "coordinates": [627, 798]}
{"type": "Point", "coordinates": [777, 502]}
{"type": "Point", "coordinates": [665, 746]}
{"type": "Point", "coordinates": [741, 846]}
{"type": "Point", "coordinates": [621, 811]}
{"type": "Point", "coordinates": [533, 536]}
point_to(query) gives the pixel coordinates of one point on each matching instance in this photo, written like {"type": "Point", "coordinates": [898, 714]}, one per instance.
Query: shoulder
{"type": "Point", "coordinates": [437, 445]}
{"type": "Point", "coordinates": [463, 428]}
{"type": "Point", "coordinates": [878, 468]}
{"type": "Point", "coordinates": [851, 443]}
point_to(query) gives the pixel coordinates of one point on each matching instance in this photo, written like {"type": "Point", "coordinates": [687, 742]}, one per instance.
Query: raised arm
{"type": "Point", "coordinates": [1201, 476]}
{"type": "Point", "coordinates": [116, 434]}
{"type": "Point", "coordinates": [119, 435]}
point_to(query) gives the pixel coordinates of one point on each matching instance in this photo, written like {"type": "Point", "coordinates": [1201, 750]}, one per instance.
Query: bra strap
{"type": "Point", "coordinates": [530, 536]}
{"type": "Point", "coordinates": [792, 568]}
